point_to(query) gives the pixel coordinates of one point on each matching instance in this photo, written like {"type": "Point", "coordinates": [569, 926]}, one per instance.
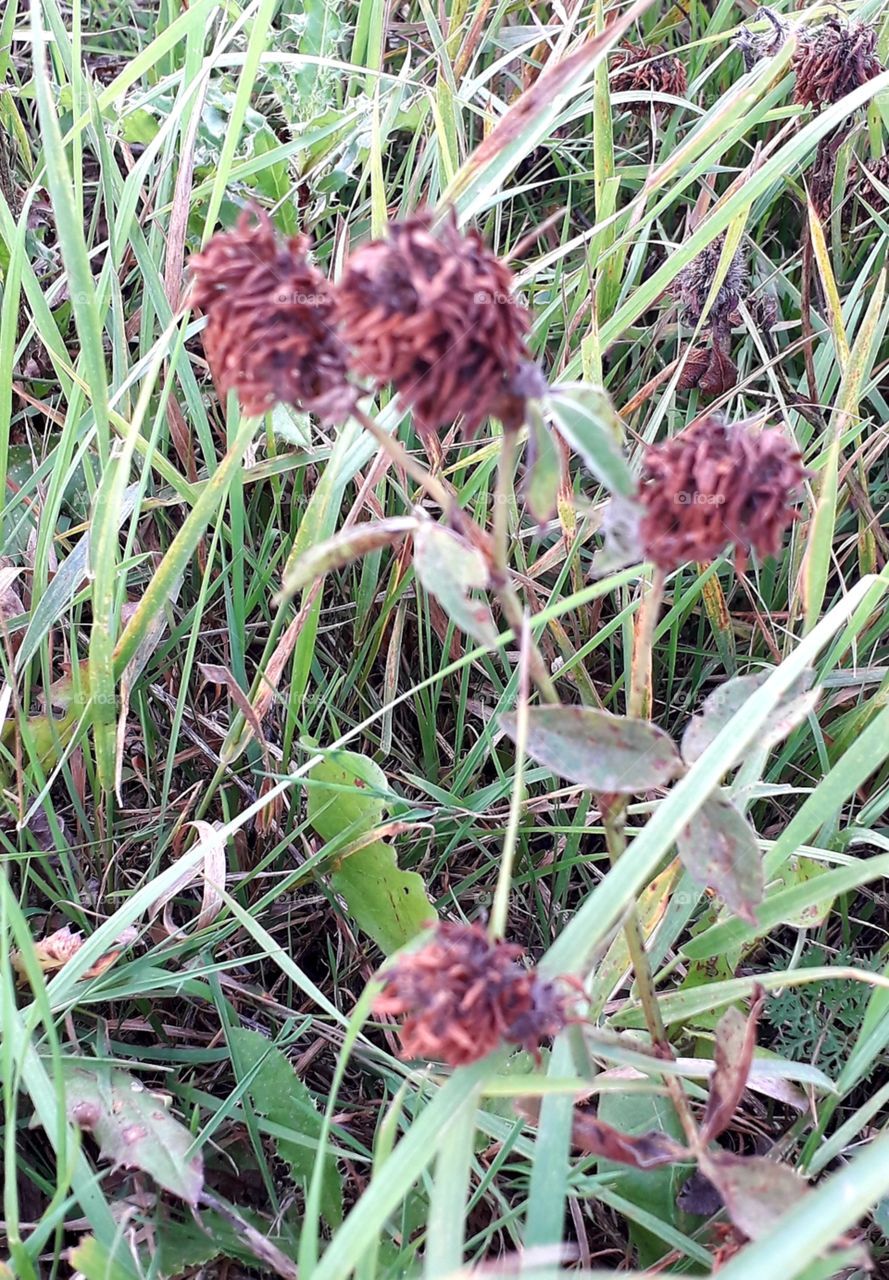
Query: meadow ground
{"type": "Point", "coordinates": [287, 676]}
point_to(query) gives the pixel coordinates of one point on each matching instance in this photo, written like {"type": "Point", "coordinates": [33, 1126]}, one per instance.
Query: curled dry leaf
{"type": "Point", "coordinates": [735, 1043]}
{"type": "Point", "coordinates": [54, 952]}
{"type": "Point", "coordinates": [345, 546]}
{"type": "Point", "coordinates": [211, 870]}
{"type": "Point", "coordinates": [593, 1136]}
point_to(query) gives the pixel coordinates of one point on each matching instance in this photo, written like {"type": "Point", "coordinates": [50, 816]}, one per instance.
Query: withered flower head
{"type": "Point", "coordinates": [431, 310]}
{"type": "Point", "coordinates": [754, 46]}
{"type": "Point", "coordinates": [868, 190]}
{"type": "Point", "coordinates": [692, 286]}
{"type": "Point", "coordinates": [714, 485]}
{"type": "Point", "coordinates": [269, 333]}
{"type": "Point", "coordinates": [833, 59]}
{"type": "Point", "coordinates": [462, 995]}
{"type": "Point", "coordinates": [648, 69]}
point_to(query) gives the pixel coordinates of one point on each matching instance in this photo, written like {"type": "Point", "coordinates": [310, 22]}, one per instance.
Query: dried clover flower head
{"type": "Point", "coordinates": [755, 46]}
{"type": "Point", "coordinates": [867, 187]}
{"type": "Point", "coordinates": [716, 484]}
{"type": "Point", "coordinates": [431, 310]}
{"type": "Point", "coordinates": [711, 367]}
{"type": "Point", "coordinates": [269, 333]}
{"type": "Point", "coordinates": [692, 286]}
{"type": "Point", "coordinates": [648, 69]}
{"type": "Point", "coordinates": [461, 995]}
{"type": "Point", "coordinates": [833, 59]}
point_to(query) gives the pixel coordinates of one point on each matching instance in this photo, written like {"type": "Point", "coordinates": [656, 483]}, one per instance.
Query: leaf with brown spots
{"type": "Point", "coordinates": [718, 848]}
{"type": "Point", "coordinates": [756, 1191]}
{"type": "Point", "coordinates": [132, 1126]}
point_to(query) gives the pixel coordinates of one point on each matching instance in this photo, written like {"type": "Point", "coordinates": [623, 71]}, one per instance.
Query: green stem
{"type": "Point", "coordinates": [500, 906]}
{"type": "Point", "coordinates": [614, 810]}
{"type": "Point", "coordinates": [501, 579]}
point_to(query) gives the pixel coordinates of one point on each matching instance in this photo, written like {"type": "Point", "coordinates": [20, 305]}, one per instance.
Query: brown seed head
{"type": "Point", "coordinates": [648, 69]}
{"type": "Point", "coordinates": [833, 59]}
{"type": "Point", "coordinates": [432, 311]}
{"type": "Point", "coordinates": [692, 286]}
{"type": "Point", "coordinates": [462, 995]}
{"type": "Point", "coordinates": [269, 333]}
{"type": "Point", "coordinates": [714, 485]}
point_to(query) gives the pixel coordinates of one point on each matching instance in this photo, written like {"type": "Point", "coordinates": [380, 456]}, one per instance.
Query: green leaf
{"type": "Point", "coordinates": [598, 750]}
{"type": "Point", "coordinates": [449, 569]}
{"type": "Point", "coordinates": [584, 417]}
{"type": "Point", "coordinates": [719, 850]}
{"type": "Point", "coordinates": [720, 705]}
{"type": "Point", "coordinates": [345, 805]}
{"type": "Point", "coordinates": [654, 1190]}
{"type": "Point", "coordinates": [543, 468]}
{"type": "Point", "coordinates": [132, 1126]}
{"type": "Point", "coordinates": [94, 1262]}
{"type": "Point", "coordinates": [278, 1093]}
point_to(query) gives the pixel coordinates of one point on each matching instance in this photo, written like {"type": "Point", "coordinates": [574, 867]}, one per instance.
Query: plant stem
{"type": "Point", "coordinates": [501, 579]}
{"type": "Point", "coordinates": [429, 483]}
{"type": "Point", "coordinates": [500, 906]}
{"type": "Point", "coordinates": [614, 810]}
{"type": "Point", "coordinates": [497, 554]}
{"type": "Point", "coordinates": [639, 698]}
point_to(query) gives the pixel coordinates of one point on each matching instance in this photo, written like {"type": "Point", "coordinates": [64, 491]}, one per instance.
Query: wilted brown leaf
{"type": "Point", "coordinates": [735, 1043]}
{"type": "Point", "coordinates": [756, 1191]}
{"type": "Point", "coordinates": [54, 952]}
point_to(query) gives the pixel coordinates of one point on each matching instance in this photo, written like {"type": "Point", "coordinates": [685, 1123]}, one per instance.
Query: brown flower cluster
{"type": "Point", "coordinates": [461, 996]}
{"type": "Point", "coordinates": [432, 312]}
{"type": "Point", "coordinates": [754, 46]}
{"type": "Point", "coordinates": [714, 485]}
{"type": "Point", "coordinates": [833, 59]}
{"type": "Point", "coordinates": [868, 190]}
{"type": "Point", "coordinates": [648, 69]}
{"type": "Point", "coordinates": [269, 333]}
{"type": "Point", "coordinates": [427, 309]}
{"type": "Point", "coordinates": [711, 367]}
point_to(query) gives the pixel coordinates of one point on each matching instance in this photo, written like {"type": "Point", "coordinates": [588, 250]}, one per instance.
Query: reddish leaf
{"type": "Point", "coordinates": [641, 1151]}
{"type": "Point", "coordinates": [720, 375]}
{"type": "Point", "coordinates": [719, 850]}
{"type": "Point", "coordinates": [694, 368]}
{"type": "Point", "coordinates": [756, 1192]}
{"type": "Point", "coordinates": [599, 750]}
{"type": "Point", "coordinates": [594, 1136]}
{"type": "Point", "coordinates": [735, 1043]}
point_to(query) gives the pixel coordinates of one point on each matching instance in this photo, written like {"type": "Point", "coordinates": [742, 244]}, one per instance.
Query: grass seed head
{"type": "Point", "coordinates": [270, 334]}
